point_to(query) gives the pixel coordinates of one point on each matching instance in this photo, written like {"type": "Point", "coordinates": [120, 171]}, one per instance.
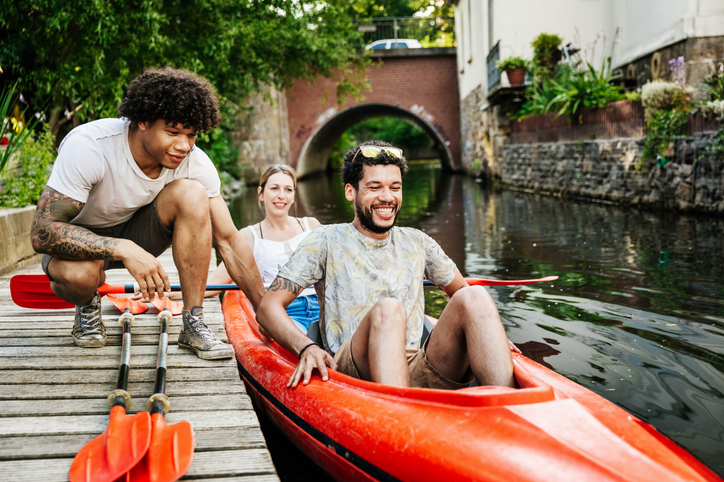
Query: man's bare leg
{"type": "Point", "coordinates": [183, 206]}
{"type": "Point", "coordinates": [76, 281]}
{"type": "Point", "coordinates": [470, 334]}
{"type": "Point", "coordinates": [378, 344]}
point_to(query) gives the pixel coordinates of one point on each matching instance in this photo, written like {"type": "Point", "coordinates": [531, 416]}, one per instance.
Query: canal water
{"type": "Point", "coordinates": [637, 314]}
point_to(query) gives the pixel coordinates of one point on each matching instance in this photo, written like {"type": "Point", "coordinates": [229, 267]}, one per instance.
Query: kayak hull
{"type": "Point", "coordinates": [549, 429]}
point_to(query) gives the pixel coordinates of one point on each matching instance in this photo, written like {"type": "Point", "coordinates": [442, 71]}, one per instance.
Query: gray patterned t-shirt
{"type": "Point", "coordinates": [351, 272]}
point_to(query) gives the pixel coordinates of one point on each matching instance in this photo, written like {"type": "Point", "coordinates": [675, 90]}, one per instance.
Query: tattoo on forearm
{"type": "Point", "coordinates": [51, 233]}
{"type": "Point", "coordinates": [283, 284]}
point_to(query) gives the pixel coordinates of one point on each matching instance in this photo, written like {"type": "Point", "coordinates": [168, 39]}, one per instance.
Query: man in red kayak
{"type": "Point", "coordinates": [123, 190]}
{"type": "Point", "coordinates": [369, 278]}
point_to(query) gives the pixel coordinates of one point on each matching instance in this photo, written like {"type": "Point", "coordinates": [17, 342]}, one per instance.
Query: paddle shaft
{"type": "Point", "coordinates": [34, 291]}
{"type": "Point", "coordinates": [125, 320]}
{"type": "Point", "coordinates": [158, 400]}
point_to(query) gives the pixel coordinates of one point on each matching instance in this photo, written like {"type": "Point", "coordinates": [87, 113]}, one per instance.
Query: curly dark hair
{"type": "Point", "coordinates": [176, 95]}
{"type": "Point", "coordinates": [354, 161]}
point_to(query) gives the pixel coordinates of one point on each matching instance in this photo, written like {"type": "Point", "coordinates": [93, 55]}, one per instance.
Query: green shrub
{"type": "Point", "coordinates": [218, 143]}
{"type": "Point", "coordinates": [546, 53]}
{"type": "Point", "coordinates": [512, 63]}
{"type": "Point", "coordinates": [660, 95]}
{"type": "Point", "coordinates": [584, 88]}
{"type": "Point", "coordinates": [25, 183]}
{"type": "Point", "coordinates": [714, 84]}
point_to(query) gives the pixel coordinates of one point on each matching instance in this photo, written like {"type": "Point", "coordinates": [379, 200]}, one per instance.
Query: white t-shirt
{"type": "Point", "coordinates": [95, 166]}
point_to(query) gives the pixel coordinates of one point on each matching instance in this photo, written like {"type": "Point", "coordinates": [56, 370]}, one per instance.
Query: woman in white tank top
{"type": "Point", "coordinates": [274, 239]}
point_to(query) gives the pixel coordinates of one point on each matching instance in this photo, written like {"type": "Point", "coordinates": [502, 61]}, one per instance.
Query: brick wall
{"type": "Point", "coordinates": [424, 87]}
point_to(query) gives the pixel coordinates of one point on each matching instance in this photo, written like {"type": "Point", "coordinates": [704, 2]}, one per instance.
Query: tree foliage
{"type": "Point", "coordinates": [76, 58]}
{"type": "Point", "coordinates": [399, 8]}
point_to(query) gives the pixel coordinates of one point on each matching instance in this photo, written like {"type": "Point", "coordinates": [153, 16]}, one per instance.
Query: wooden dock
{"type": "Point", "coordinates": [53, 394]}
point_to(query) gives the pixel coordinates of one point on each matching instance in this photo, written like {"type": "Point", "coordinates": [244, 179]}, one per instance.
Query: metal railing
{"type": "Point", "coordinates": [430, 31]}
{"type": "Point", "coordinates": [493, 71]}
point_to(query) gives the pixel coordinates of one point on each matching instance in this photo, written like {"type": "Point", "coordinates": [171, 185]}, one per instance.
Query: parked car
{"type": "Point", "coordinates": [400, 43]}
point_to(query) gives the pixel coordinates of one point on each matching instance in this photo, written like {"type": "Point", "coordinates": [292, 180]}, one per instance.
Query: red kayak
{"type": "Point", "coordinates": [549, 429]}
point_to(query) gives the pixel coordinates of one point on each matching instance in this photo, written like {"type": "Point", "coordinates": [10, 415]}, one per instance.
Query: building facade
{"type": "Point", "coordinates": [642, 35]}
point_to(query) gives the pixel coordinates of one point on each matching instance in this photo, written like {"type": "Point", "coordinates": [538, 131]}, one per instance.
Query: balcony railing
{"type": "Point", "coordinates": [430, 31]}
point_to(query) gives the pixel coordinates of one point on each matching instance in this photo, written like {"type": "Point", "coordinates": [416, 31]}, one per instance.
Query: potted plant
{"type": "Point", "coordinates": [515, 68]}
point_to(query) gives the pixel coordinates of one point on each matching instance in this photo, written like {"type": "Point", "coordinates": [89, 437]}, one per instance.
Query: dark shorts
{"type": "Point", "coordinates": [422, 373]}
{"type": "Point", "coordinates": [144, 228]}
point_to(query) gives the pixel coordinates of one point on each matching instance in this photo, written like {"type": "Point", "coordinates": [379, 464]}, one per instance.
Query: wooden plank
{"type": "Point", "coordinates": [98, 406]}
{"type": "Point", "coordinates": [52, 446]}
{"type": "Point", "coordinates": [253, 462]}
{"type": "Point", "coordinates": [76, 351]}
{"type": "Point", "coordinates": [185, 360]}
{"type": "Point", "coordinates": [53, 394]}
{"type": "Point", "coordinates": [77, 424]}
{"type": "Point", "coordinates": [61, 377]}
{"type": "Point", "coordinates": [225, 463]}
{"type": "Point", "coordinates": [97, 390]}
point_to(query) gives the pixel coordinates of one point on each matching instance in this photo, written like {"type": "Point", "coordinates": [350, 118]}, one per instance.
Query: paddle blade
{"type": "Point", "coordinates": [502, 282]}
{"type": "Point", "coordinates": [122, 302]}
{"type": "Point", "coordinates": [169, 455]}
{"type": "Point", "coordinates": [167, 303]}
{"type": "Point", "coordinates": [33, 291]}
{"type": "Point", "coordinates": [115, 451]}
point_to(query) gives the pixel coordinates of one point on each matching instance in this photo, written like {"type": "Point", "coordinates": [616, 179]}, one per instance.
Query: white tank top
{"type": "Point", "coordinates": [270, 256]}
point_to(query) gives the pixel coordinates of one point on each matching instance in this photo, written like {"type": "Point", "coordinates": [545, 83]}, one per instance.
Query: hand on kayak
{"type": "Point", "coordinates": [313, 357]}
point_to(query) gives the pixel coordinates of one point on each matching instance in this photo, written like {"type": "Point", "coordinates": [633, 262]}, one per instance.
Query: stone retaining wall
{"type": "Point", "coordinates": [15, 244]}
{"type": "Point", "coordinates": [607, 170]}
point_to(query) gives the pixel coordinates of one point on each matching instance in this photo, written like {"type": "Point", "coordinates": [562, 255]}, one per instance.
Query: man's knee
{"type": "Point", "coordinates": [388, 313]}
{"type": "Point", "coordinates": [77, 276]}
{"type": "Point", "coordinates": [183, 196]}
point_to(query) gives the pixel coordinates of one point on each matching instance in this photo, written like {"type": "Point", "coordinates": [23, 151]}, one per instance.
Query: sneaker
{"type": "Point", "coordinates": [198, 337]}
{"type": "Point", "coordinates": [88, 329]}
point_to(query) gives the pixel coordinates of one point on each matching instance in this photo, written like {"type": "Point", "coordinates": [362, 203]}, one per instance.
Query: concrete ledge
{"type": "Point", "coordinates": [15, 245]}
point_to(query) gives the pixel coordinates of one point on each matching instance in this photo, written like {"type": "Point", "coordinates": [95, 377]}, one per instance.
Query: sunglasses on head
{"type": "Point", "coordinates": [374, 151]}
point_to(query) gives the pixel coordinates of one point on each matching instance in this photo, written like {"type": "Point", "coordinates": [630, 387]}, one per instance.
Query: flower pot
{"type": "Point", "coordinates": [516, 76]}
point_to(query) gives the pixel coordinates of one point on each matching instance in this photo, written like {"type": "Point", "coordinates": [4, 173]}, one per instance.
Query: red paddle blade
{"type": "Point", "coordinates": [122, 302]}
{"type": "Point", "coordinates": [33, 291]}
{"type": "Point", "coordinates": [167, 303]}
{"type": "Point", "coordinates": [502, 282]}
{"type": "Point", "coordinates": [169, 455]}
{"type": "Point", "coordinates": [115, 451]}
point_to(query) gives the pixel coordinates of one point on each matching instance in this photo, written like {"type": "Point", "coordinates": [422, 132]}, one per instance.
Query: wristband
{"type": "Point", "coordinates": [303, 349]}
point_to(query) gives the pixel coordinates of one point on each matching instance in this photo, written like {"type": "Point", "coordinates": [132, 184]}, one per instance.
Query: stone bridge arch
{"type": "Point", "coordinates": [419, 85]}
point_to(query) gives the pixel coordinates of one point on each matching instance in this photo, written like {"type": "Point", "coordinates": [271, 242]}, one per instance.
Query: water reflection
{"type": "Point", "coordinates": [637, 315]}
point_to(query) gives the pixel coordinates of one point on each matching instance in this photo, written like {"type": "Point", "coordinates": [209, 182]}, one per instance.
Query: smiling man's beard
{"type": "Point", "coordinates": [367, 222]}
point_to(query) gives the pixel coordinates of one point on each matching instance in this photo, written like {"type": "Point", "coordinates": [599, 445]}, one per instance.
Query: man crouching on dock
{"type": "Point", "coordinates": [122, 190]}
{"type": "Point", "coordinates": [369, 278]}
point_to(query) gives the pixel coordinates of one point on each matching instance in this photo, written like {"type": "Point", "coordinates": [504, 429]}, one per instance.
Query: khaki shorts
{"type": "Point", "coordinates": [422, 374]}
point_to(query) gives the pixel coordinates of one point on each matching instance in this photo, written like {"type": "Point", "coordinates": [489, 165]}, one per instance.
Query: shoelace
{"type": "Point", "coordinates": [91, 322]}
{"type": "Point", "coordinates": [200, 327]}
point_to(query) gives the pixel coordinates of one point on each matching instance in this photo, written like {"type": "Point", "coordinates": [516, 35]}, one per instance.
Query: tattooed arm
{"type": "Point", "coordinates": [51, 233]}
{"type": "Point", "coordinates": [272, 315]}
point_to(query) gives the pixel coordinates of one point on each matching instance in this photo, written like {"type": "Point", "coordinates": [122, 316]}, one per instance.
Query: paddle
{"type": "Point", "coordinates": [126, 439]}
{"type": "Point", "coordinates": [125, 303]}
{"type": "Point", "coordinates": [172, 446]}
{"type": "Point", "coordinates": [167, 303]}
{"type": "Point", "coordinates": [500, 282]}
{"type": "Point", "coordinates": [33, 290]}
